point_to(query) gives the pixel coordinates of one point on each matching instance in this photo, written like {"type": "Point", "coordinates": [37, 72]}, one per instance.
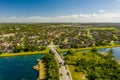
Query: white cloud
{"type": "Point", "coordinates": [102, 10]}
{"type": "Point", "coordinates": [99, 17]}
{"type": "Point", "coordinates": [35, 17]}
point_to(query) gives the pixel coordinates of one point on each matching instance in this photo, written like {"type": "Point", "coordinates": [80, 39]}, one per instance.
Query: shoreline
{"type": "Point", "coordinates": [40, 67]}
{"type": "Point", "coordinates": [22, 53]}
{"type": "Point", "coordinates": [47, 51]}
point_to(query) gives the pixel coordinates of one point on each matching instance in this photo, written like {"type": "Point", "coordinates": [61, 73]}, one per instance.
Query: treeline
{"type": "Point", "coordinates": [28, 48]}
{"type": "Point", "coordinates": [95, 66]}
{"type": "Point", "coordinates": [52, 67]}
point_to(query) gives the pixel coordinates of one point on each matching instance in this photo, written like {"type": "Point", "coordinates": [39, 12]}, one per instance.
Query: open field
{"type": "Point", "coordinates": [76, 75]}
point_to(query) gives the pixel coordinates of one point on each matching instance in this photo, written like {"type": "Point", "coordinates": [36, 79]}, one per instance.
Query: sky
{"type": "Point", "coordinates": [59, 10]}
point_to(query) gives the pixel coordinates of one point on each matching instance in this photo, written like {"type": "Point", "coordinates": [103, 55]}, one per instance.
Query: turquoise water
{"type": "Point", "coordinates": [19, 67]}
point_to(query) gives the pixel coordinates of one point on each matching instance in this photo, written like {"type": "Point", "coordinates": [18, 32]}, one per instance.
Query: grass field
{"type": "Point", "coordinates": [88, 48]}
{"type": "Point", "coordinates": [76, 75]}
{"type": "Point", "coordinates": [103, 29]}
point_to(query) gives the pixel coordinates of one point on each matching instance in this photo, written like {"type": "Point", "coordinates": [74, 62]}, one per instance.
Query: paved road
{"type": "Point", "coordinates": [64, 72]}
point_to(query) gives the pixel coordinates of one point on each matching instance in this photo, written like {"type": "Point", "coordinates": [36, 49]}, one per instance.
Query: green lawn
{"type": "Point", "coordinates": [76, 75]}
{"type": "Point", "coordinates": [88, 48]}
{"type": "Point", "coordinates": [24, 53]}
{"type": "Point", "coordinates": [103, 29]}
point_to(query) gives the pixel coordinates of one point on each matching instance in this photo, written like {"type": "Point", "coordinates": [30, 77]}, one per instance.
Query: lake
{"type": "Point", "coordinates": [19, 67]}
{"type": "Point", "coordinates": [116, 51]}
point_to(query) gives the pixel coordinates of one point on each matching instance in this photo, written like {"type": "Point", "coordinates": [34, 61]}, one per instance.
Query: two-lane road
{"type": "Point", "coordinates": [64, 72]}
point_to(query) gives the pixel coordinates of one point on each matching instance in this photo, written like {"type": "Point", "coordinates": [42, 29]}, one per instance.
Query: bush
{"type": "Point", "coordinates": [93, 50]}
{"type": "Point", "coordinates": [0, 52]}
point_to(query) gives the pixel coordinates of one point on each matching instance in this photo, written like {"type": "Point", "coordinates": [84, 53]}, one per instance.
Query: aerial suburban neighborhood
{"type": "Point", "coordinates": [37, 36]}
{"type": "Point", "coordinates": [62, 39]}
{"type": "Point", "coordinates": [59, 39]}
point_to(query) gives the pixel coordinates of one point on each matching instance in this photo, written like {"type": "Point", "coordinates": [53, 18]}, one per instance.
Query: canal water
{"type": "Point", "coordinates": [19, 67]}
